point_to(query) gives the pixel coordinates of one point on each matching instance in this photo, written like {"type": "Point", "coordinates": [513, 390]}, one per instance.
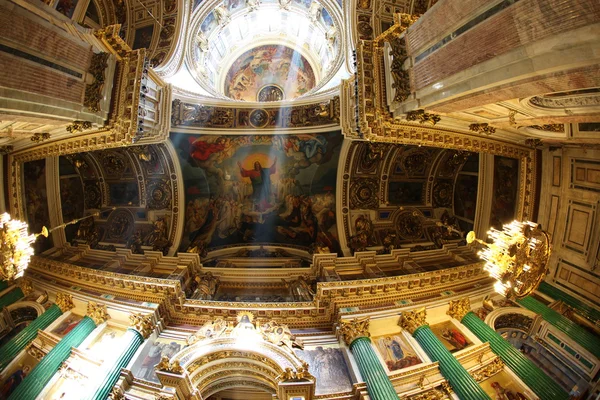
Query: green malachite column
{"type": "Point", "coordinates": [39, 376]}
{"type": "Point", "coordinates": [11, 297]}
{"type": "Point", "coordinates": [587, 340]}
{"type": "Point", "coordinates": [582, 308]}
{"type": "Point", "coordinates": [542, 385]}
{"type": "Point", "coordinates": [133, 338]}
{"type": "Point", "coordinates": [355, 335]}
{"type": "Point", "coordinates": [463, 384]}
{"type": "Point", "coordinates": [3, 285]}
{"type": "Point", "coordinates": [23, 338]}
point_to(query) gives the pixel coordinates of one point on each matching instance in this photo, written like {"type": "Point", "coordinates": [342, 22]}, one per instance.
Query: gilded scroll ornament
{"type": "Point", "coordinates": [411, 320]}
{"type": "Point", "coordinates": [116, 394]}
{"type": "Point", "coordinates": [40, 137]}
{"type": "Point", "coordinates": [26, 286]}
{"type": "Point", "coordinates": [93, 91]}
{"type": "Point", "coordinates": [459, 308]}
{"type": "Point", "coordinates": [142, 324]}
{"type": "Point", "coordinates": [7, 149]}
{"type": "Point", "coordinates": [166, 366]}
{"type": "Point", "coordinates": [482, 128]}
{"type": "Point", "coordinates": [558, 128]}
{"type": "Point", "coordinates": [79, 126]}
{"type": "Point", "coordinates": [433, 394]}
{"type": "Point", "coordinates": [354, 329]}
{"type": "Point", "coordinates": [399, 75]}
{"type": "Point", "coordinates": [301, 374]}
{"type": "Point", "coordinates": [364, 194]}
{"type": "Point", "coordinates": [489, 370]}
{"type": "Point", "coordinates": [97, 312]}
{"type": "Point", "coordinates": [64, 301]}
{"type": "Point", "coordinates": [423, 117]}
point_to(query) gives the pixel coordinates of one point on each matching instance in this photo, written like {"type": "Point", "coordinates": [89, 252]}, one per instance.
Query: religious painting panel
{"type": "Point", "coordinates": [15, 374]}
{"type": "Point", "coordinates": [259, 190]}
{"type": "Point", "coordinates": [403, 193]}
{"type": "Point", "coordinates": [502, 386]}
{"type": "Point", "coordinates": [506, 187]}
{"type": "Point", "coordinates": [269, 73]}
{"type": "Point", "coordinates": [450, 336]}
{"type": "Point", "coordinates": [143, 367]}
{"type": "Point", "coordinates": [36, 202]}
{"type": "Point", "coordinates": [328, 365]}
{"type": "Point", "coordinates": [105, 346]}
{"type": "Point", "coordinates": [396, 352]}
{"type": "Point", "coordinates": [66, 7]}
{"type": "Point", "coordinates": [143, 37]}
{"type": "Point", "coordinates": [66, 325]}
{"type": "Point", "coordinates": [465, 196]}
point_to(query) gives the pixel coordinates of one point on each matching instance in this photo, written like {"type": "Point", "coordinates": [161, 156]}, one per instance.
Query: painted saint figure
{"type": "Point", "coordinates": [261, 183]}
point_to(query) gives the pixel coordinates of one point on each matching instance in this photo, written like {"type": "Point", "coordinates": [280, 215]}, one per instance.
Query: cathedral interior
{"type": "Point", "coordinates": [273, 199]}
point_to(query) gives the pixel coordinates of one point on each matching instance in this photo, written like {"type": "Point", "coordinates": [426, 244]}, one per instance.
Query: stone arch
{"type": "Point", "coordinates": [213, 365]}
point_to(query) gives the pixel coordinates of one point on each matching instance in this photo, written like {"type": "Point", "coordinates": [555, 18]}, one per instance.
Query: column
{"type": "Point", "coordinates": [463, 384]}
{"type": "Point", "coordinates": [64, 303]}
{"type": "Point", "coordinates": [356, 335]}
{"type": "Point", "coordinates": [141, 328]}
{"type": "Point", "coordinates": [11, 297]}
{"type": "Point", "coordinates": [587, 340]}
{"type": "Point", "coordinates": [34, 383]}
{"type": "Point", "coordinates": [542, 385]}
{"type": "Point", "coordinates": [579, 306]}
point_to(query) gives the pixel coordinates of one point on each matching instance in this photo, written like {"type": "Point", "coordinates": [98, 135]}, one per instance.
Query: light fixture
{"type": "Point", "coordinates": [15, 245]}
{"type": "Point", "coordinates": [517, 258]}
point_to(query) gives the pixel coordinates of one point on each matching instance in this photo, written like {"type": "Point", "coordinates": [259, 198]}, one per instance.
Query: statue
{"type": "Point", "coordinates": [285, 4]}
{"type": "Point", "coordinates": [207, 287]}
{"type": "Point", "coordinates": [222, 15]}
{"type": "Point", "coordinates": [300, 288]}
{"type": "Point", "coordinates": [252, 5]}
{"type": "Point", "coordinates": [314, 12]}
{"type": "Point", "coordinates": [202, 41]}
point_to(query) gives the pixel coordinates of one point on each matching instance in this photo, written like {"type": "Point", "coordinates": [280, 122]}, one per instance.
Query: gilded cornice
{"type": "Point", "coordinates": [354, 329]}
{"type": "Point", "coordinates": [411, 320]}
{"type": "Point", "coordinates": [97, 312]}
{"type": "Point", "coordinates": [459, 308]}
{"type": "Point", "coordinates": [64, 301]}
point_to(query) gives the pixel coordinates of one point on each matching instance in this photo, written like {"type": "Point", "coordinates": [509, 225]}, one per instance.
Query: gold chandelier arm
{"type": "Point", "coordinates": [45, 231]}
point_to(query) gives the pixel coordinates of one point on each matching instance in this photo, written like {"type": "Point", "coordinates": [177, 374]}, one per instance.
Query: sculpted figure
{"type": "Point", "coordinates": [207, 287]}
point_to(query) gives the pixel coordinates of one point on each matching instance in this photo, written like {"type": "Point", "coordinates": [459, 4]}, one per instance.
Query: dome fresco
{"type": "Point", "coordinates": [269, 73]}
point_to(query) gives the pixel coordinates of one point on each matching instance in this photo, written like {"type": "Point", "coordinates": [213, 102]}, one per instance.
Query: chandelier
{"type": "Point", "coordinates": [15, 245]}
{"type": "Point", "coordinates": [517, 258]}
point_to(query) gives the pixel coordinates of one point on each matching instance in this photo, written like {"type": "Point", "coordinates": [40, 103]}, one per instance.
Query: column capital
{"type": "Point", "coordinates": [354, 329]}
{"type": "Point", "coordinates": [143, 324]}
{"type": "Point", "coordinates": [26, 286]}
{"type": "Point", "coordinates": [411, 320]}
{"type": "Point", "coordinates": [459, 308]}
{"type": "Point", "coordinates": [97, 312]}
{"type": "Point", "coordinates": [64, 301]}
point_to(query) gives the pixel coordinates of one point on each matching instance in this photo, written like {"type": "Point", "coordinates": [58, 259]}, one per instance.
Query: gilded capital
{"type": "Point", "coordinates": [64, 301]}
{"type": "Point", "coordinates": [411, 320]}
{"type": "Point", "coordinates": [354, 329]}
{"type": "Point", "coordinates": [142, 324]}
{"type": "Point", "coordinates": [26, 286]}
{"type": "Point", "coordinates": [459, 308]}
{"type": "Point", "coordinates": [97, 312]}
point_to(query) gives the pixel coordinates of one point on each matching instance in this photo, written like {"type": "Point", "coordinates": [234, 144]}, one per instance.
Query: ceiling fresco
{"type": "Point", "coordinates": [259, 189]}
{"type": "Point", "coordinates": [269, 73]}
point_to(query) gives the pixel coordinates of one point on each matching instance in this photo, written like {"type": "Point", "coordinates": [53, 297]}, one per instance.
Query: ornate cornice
{"type": "Point", "coordinates": [411, 320]}
{"type": "Point", "coordinates": [459, 308]}
{"type": "Point", "coordinates": [97, 312]}
{"type": "Point", "coordinates": [64, 301]}
{"type": "Point", "coordinates": [143, 324]}
{"type": "Point", "coordinates": [354, 329]}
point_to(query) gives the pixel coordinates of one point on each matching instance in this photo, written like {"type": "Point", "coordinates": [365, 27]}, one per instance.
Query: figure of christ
{"type": "Point", "coordinates": [261, 183]}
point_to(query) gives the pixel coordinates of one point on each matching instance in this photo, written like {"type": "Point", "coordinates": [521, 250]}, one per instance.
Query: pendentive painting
{"type": "Point", "coordinates": [450, 336]}
{"type": "Point", "coordinates": [269, 73]}
{"type": "Point", "coordinates": [328, 365]}
{"type": "Point", "coordinates": [396, 352]}
{"type": "Point", "coordinates": [264, 190]}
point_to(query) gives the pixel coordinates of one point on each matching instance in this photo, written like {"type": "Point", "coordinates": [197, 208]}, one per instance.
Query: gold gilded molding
{"type": "Point", "coordinates": [116, 394]}
{"type": "Point", "coordinates": [97, 312]}
{"type": "Point", "coordinates": [64, 301]}
{"type": "Point", "coordinates": [143, 324]}
{"type": "Point", "coordinates": [166, 366]}
{"type": "Point", "coordinates": [489, 370]}
{"type": "Point", "coordinates": [459, 308]}
{"type": "Point", "coordinates": [354, 329]}
{"type": "Point", "coordinates": [26, 286]}
{"type": "Point", "coordinates": [411, 320]}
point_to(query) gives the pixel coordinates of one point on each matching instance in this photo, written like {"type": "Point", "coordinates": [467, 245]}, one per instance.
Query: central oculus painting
{"type": "Point", "coordinates": [269, 73]}
{"type": "Point", "coordinates": [259, 189]}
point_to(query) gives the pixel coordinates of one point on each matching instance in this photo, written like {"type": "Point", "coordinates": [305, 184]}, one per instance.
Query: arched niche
{"type": "Point", "coordinates": [511, 318]}
{"type": "Point", "coordinates": [213, 365]}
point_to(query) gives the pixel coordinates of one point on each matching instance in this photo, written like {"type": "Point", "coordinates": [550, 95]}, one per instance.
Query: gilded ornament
{"type": "Point", "coordinates": [411, 320]}
{"type": "Point", "coordinates": [40, 137]}
{"type": "Point", "coordinates": [143, 324]}
{"type": "Point", "coordinates": [354, 329]}
{"type": "Point", "coordinates": [93, 91]}
{"type": "Point", "coordinates": [459, 308]}
{"type": "Point", "coordinates": [422, 117]}
{"type": "Point", "coordinates": [558, 128]}
{"type": "Point", "coordinates": [64, 301]}
{"type": "Point", "coordinates": [116, 394]}
{"type": "Point", "coordinates": [79, 126]}
{"type": "Point", "coordinates": [483, 128]}
{"type": "Point", "coordinates": [7, 149]}
{"type": "Point", "coordinates": [433, 394]}
{"type": "Point", "coordinates": [97, 312]}
{"type": "Point", "coordinates": [163, 365]}
{"type": "Point", "coordinates": [489, 370]}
